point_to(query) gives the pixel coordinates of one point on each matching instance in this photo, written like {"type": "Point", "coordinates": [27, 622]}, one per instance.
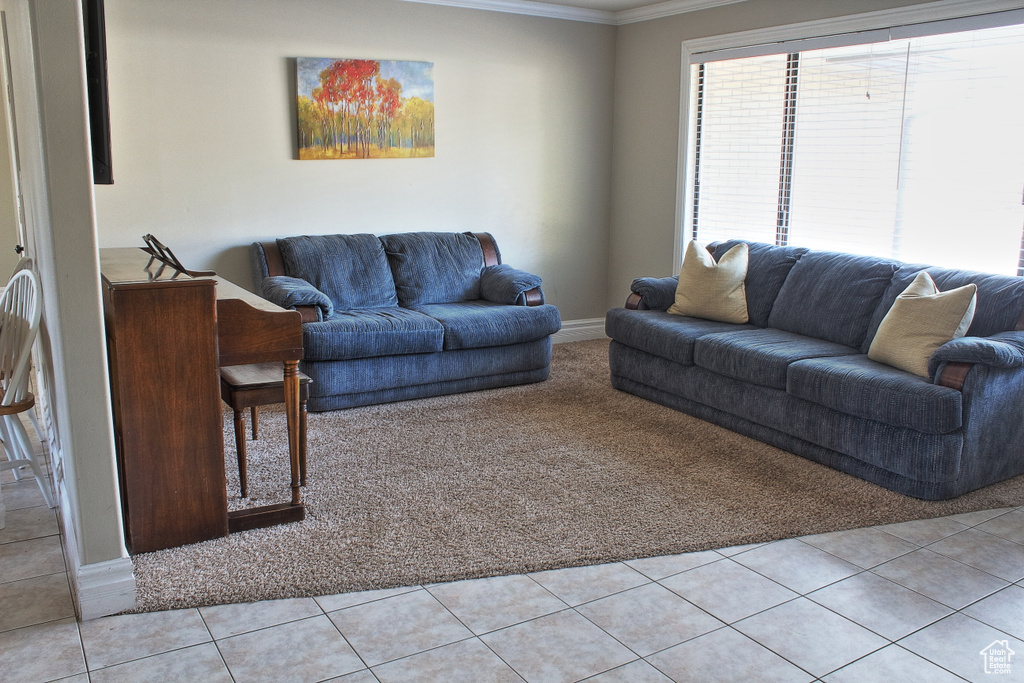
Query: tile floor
{"type": "Point", "coordinates": [917, 601]}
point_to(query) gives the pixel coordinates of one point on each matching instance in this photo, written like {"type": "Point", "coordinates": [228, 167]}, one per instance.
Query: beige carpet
{"type": "Point", "coordinates": [562, 473]}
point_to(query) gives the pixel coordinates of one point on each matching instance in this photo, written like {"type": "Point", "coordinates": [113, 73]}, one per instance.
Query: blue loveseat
{"type": "Point", "coordinates": [407, 315]}
{"type": "Point", "coordinates": [797, 375]}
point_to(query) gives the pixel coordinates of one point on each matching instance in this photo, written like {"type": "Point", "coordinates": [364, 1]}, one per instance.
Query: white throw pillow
{"type": "Point", "coordinates": [714, 291]}
{"type": "Point", "coordinates": [921, 320]}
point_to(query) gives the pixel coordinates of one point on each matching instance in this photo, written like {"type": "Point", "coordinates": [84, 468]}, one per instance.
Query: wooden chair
{"type": "Point", "coordinates": [252, 386]}
{"type": "Point", "coordinates": [19, 323]}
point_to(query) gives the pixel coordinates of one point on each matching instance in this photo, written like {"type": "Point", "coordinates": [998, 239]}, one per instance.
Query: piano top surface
{"type": "Point", "coordinates": [132, 265]}
{"type": "Point", "coordinates": [127, 266]}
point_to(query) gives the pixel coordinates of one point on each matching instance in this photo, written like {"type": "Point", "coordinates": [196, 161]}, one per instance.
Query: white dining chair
{"type": "Point", "coordinates": [20, 312]}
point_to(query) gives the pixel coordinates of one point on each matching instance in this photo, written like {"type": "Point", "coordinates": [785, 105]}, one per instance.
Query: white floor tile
{"type": "Point", "coordinates": [810, 636]}
{"type": "Point", "coordinates": [558, 647]}
{"type": "Point", "coordinates": [726, 656]}
{"type": "Point", "coordinates": [956, 643]}
{"type": "Point", "coordinates": [398, 626]}
{"type": "Point", "coordinates": [649, 618]}
{"type": "Point", "coordinates": [307, 650]}
{"type": "Point", "coordinates": [797, 565]}
{"type": "Point", "coordinates": [727, 590]}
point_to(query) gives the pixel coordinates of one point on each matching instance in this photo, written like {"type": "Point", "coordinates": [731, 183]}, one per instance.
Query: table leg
{"type": "Point", "coordinates": [291, 403]}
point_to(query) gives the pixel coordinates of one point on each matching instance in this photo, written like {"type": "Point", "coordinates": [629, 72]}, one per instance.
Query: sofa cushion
{"type": "Point", "coordinates": [999, 305]}
{"type": "Point", "coordinates": [832, 296]}
{"type": "Point", "coordinates": [434, 267]}
{"type": "Point", "coordinates": [661, 333]}
{"type": "Point", "coordinates": [371, 332]}
{"type": "Point", "coordinates": [350, 269]}
{"type": "Point", "coordinates": [760, 356]}
{"type": "Point", "coordinates": [859, 386]}
{"type": "Point", "coordinates": [480, 323]}
{"type": "Point", "coordinates": [767, 268]}
{"type": "Point", "coordinates": [921, 320]}
{"type": "Point", "coordinates": [710, 290]}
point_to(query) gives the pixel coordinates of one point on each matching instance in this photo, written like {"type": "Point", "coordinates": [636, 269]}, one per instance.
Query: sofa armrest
{"type": "Point", "coordinates": [293, 292]}
{"type": "Point", "coordinates": [653, 293]}
{"type": "Point", "coordinates": [504, 284]}
{"type": "Point", "coordinates": [953, 360]}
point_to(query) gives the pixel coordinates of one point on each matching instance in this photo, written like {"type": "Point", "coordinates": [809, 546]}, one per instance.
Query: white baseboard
{"type": "Point", "coordinates": [580, 330]}
{"type": "Point", "coordinates": [99, 589]}
{"type": "Point", "coordinates": [104, 588]}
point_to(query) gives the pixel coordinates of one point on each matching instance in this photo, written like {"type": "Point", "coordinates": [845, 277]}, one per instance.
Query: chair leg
{"type": "Point", "coordinates": [240, 448]}
{"type": "Point", "coordinates": [255, 411]}
{"type": "Point", "coordinates": [302, 443]}
{"type": "Point", "coordinates": [34, 419]}
{"type": "Point", "coordinates": [16, 439]}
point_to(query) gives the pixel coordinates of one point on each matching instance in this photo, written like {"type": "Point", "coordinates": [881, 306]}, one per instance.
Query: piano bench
{"type": "Point", "coordinates": [252, 386]}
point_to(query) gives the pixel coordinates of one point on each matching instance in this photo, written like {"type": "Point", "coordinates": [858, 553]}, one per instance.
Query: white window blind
{"type": "Point", "coordinates": [911, 148]}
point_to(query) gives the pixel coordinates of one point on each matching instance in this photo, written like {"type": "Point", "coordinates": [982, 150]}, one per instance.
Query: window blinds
{"type": "Point", "coordinates": [911, 148]}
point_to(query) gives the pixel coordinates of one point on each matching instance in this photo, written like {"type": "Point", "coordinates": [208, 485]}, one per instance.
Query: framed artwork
{"type": "Point", "coordinates": [364, 108]}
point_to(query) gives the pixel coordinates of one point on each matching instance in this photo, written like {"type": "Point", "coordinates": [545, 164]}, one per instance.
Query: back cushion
{"type": "Point", "coordinates": [434, 267]}
{"type": "Point", "coordinates": [767, 268]}
{"type": "Point", "coordinates": [350, 269]}
{"type": "Point", "coordinates": [1000, 297]}
{"type": "Point", "coordinates": [832, 296]}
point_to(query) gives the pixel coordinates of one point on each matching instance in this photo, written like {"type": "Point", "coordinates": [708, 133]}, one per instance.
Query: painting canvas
{"type": "Point", "coordinates": [364, 108]}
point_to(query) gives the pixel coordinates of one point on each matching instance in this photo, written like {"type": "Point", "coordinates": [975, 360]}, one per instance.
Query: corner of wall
{"type": "Point", "coordinates": [99, 589]}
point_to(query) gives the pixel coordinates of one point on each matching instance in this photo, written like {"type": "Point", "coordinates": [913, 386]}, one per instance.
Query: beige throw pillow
{"type": "Point", "coordinates": [921, 320]}
{"type": "Point", "coordinates": [710, 290]}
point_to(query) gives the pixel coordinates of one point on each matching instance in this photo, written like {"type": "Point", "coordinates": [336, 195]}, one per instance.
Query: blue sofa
{"type": "Point", "coordinates": [797, 375]}
{"type": "Point", "coordinates": [407, 315]}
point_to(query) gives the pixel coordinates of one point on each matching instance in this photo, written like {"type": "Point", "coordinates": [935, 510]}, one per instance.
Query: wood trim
{"type": "Point", "coordinates": [310, 314]}
{"type": "Point", "coordinates": [534, 297]}
{"type": "Point", "coordinates": [268, 515]}
{"type": "Point", "coordinates": [489, 248]}
{"type": "Point", "coordinates": [633, 301]}
{"type": "Point", "coordinates": [272, 255]}
{"type": "Point", "coordinates": [953, 375]}
{"type": "Point", "coordinates": [19, 407]}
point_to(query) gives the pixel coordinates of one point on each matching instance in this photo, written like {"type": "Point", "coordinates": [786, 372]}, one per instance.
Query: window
{"type": "Point", "coordinates": [910, 147]}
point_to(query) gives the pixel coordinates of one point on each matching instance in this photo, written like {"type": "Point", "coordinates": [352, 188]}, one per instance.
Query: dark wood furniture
{"type": "Point", "coordinates": [252, 386]}
{"type": "Point", "coordinates": [168, 331]}
{"type": "Point", "coordinates": [162, 344]}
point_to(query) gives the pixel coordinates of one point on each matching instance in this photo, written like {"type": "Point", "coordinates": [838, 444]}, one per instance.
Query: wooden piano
{"type": "Point", "coordinates": [168, 331]}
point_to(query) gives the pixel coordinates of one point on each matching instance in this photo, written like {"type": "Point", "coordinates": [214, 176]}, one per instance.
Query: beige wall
{"type": "Point", "coordinates": [646, 133]}
{"type": "Point", "coordinates": [202, 101]}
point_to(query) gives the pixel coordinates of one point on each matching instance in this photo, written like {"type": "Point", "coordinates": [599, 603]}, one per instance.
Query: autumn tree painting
{"type": "Point", "coordinates": [364, 109]}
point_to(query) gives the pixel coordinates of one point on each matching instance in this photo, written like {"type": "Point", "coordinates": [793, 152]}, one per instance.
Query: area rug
{"type": "Point", "coordinates": [562, 473]}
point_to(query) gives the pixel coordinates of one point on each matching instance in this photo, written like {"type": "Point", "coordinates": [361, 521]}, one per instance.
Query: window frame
{"type": "Point", "coordinates": [904, 22]}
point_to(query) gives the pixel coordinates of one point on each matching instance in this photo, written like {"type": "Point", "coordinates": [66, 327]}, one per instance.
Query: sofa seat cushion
{"type": "Point", "coordinates": [857, 385]}
{"type": "Point", "coordinates": [434, 267]}
{"type": "Point", "coordinates": [371, 332]}
{"type": "Point", "coordinates": [663, 334]}
{"type": "Point", "coordinates": [481, 323]}
{"type": "Point", "coordinates": [832, 296]}
{"type": "Point", "coordinates": [761, 356]}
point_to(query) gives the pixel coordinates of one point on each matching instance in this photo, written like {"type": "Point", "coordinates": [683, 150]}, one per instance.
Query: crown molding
{"type": "Point", "coordinates": [534, 9]}
{"type": "Point", "coordinates": [940, 10]}
{"type": "Point", "coordinates": [594, 16]}
{"type": "Point", "coordinates": [667, 9]}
